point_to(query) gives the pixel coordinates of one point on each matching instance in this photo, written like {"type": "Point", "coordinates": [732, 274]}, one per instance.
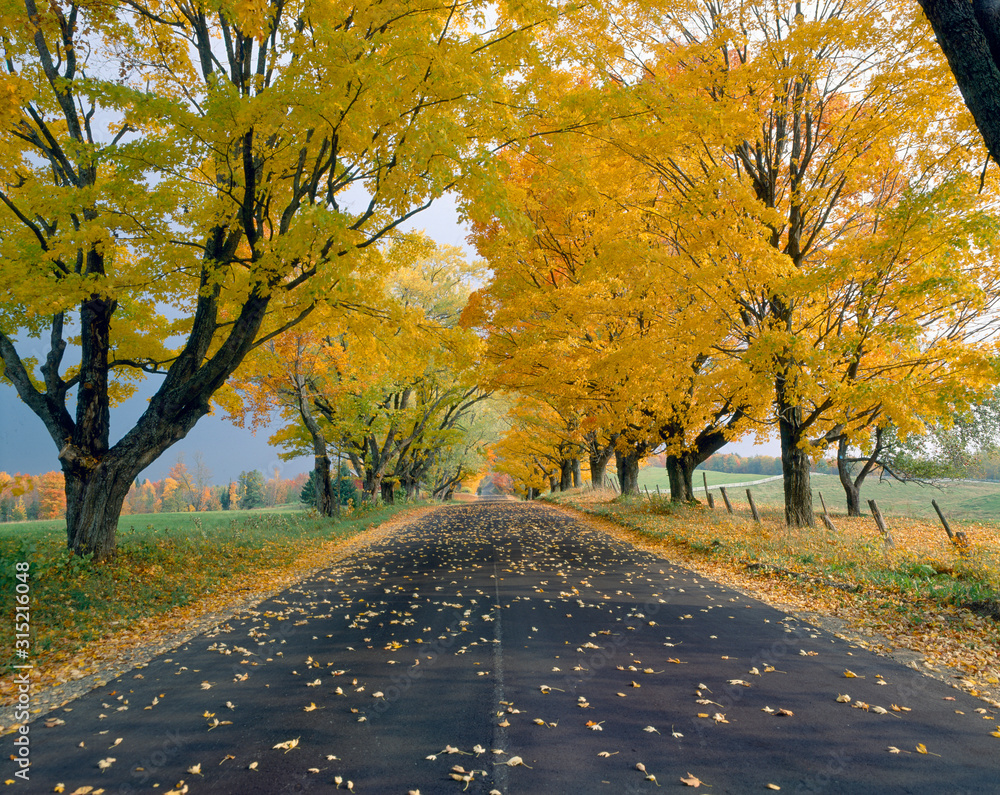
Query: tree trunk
{"type": "Point", "coordinates": [598, 458]}
{"type": "Point", "coordinates": [577, 477]}
{"type": "Point", "coordinates": [598, 470]}
{"type": "Point", "coordinates": [852, 490]}
{"type": "Point", "coordinates": [94, 499]}
{"type": "Point", "coordinates": [324, 489]}
{"type": "Point", "coordinates": [565, 474]}
{"type": "Point", "coordinates": [680, 473]}
{"type": "Point", "coordinates": [628, 471]}
{"type": "Point", "coordinates": [388, 492]}
{"type": "Point", "coordinates": [795, 465]}
{"type": "Point", "coordinates": [553, 484]}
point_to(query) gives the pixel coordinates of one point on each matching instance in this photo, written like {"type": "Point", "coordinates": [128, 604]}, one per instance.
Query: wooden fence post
{"type": "Point", "coordinates": [886, 535]}
{"type": "Point", "coordinates": [753, 507]}
{"type": "Point", "coordinates": [648, 498]}
{"type": "Point", "coordinates": [958, 539]}
{"type": "Point", "coordinates": [725, 499]}
{"type": "Point", "coordinates": [658, 490]}
{"type": "Point", "coordinates": [708, 494]}
{"type": "Point", "coordinates": [825, 516]}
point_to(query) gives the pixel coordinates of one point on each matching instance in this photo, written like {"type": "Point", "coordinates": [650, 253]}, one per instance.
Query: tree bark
{"type": "Point", "coordinates": [852, 485]}
{"type": "Point", "coordinates": [324, 489]}
{"type": "Point", "coordinates": [680, 474]}
{"type": "Point", "coordinates": [321, 460]}
{"type": "Point", "coordinates": [388, 491]}
{"type": "Point", "coordinates": [852, 489]}
{"type": "Point", "coordinates": [94, 499]}
{"type": "Point", "coordinates": [565, 474]}
{"type": "Point", "coordinates": [577, 477]}
{"type": "Point", "coordinates": [795, 466]}
{"type": "Point", "coordinates": [598, 458]}
{"type": "Point", "coordinates": [628, 471]}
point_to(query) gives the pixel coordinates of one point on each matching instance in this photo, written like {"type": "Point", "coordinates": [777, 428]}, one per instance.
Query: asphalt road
{"type": "Point", "coordinates": [487, 634]}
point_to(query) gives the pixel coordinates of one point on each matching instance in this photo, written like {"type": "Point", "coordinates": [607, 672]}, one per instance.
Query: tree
{"type": "Point", "coordinates": [210, 205]}
{"type": "Point", "coordinates": [952, 446]}
{"type": "Point", "coordinates": [251, 486]}
{"type": "Point", "coordinates": [51, 496]}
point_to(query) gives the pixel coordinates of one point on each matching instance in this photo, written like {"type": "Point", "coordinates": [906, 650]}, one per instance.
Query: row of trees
{"type": "Point", "coordinates": [31, 497]}
{"type": "Point", "coordinates": [752, 217]}
{"type": "Point", "coordinates": [391, 392]}
{"type": "Point", "coordinates": [24, 497]}
{"type": "Point", "coordinates": [182, 184]}
{"type": "Point", "coordinates": [784, 226]}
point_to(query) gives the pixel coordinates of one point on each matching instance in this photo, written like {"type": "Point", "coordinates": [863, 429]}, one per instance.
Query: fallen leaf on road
{"type": "Point", "coordinates": [692, 781]}
{"type": "Point", "coordinates": [514, 761]}
{"type": "Point", "coordinates": [287, 745]}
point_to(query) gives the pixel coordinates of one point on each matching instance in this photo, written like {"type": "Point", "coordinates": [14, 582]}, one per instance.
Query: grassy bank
{"type": "Point", "coordinates": [922, 593]}
{"type": "Point", "coordinates": [164, 561]}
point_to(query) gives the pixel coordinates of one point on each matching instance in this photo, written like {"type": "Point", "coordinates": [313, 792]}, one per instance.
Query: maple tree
{"type": "Point", "coordinates": [535, 449]}
{"type": "Point", "coordinates": [391, 389]}
{"type": "Point", "coordinates": [184, 182]}
{"type": "Point", "coordinates": [576, 307]}
{"type": "Point", "coordinates": [831, 205]}
{"type": "Point", "coordinates": [789, 223]}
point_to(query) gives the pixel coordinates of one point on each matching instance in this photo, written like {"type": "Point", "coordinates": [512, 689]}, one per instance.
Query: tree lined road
{"type": "Point", "coordinates": [506, 631]}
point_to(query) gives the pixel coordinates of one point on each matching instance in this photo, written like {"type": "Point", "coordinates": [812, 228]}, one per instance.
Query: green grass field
{"type": "Point", "coordinates": [961, 501]}
{"type": "Point", "coordinates": [651, 477]}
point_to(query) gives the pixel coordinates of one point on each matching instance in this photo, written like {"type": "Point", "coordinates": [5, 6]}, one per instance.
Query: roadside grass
{"type": "Point", "coordinates": [164, 561]}
{"type": "Point", "coordinates": [921, 586]}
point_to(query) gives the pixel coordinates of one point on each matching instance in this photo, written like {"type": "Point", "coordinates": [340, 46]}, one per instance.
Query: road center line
{"type": "Point", "coordinates": [500, 732]}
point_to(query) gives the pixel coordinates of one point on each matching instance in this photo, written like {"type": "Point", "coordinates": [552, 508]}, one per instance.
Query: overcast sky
{"type": "Point", "coordinates": [25, 446]}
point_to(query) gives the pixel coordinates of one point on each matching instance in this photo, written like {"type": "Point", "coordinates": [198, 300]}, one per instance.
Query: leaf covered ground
{"type": "Point", "coordinates": [92, 621]}
{"type": "Point", "coordinates": [922, 599]}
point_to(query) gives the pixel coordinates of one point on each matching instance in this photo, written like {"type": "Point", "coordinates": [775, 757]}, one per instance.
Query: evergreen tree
{"type": "Point", "coordinates": [251, 489]}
